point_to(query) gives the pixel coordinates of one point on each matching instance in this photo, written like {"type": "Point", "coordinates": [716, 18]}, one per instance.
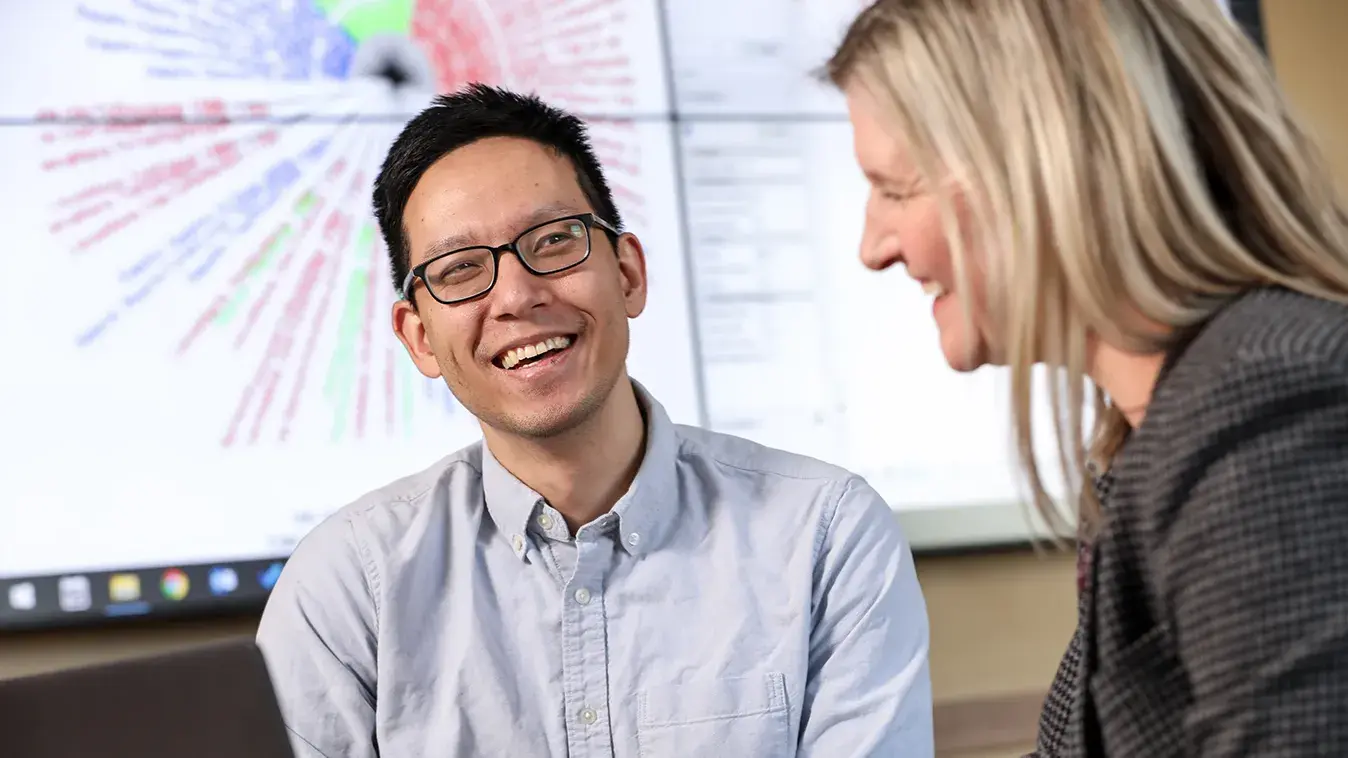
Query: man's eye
{"type": "Point", "coordinates": [457, 272]}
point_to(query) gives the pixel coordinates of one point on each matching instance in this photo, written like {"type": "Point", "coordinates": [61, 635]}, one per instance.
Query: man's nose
{"type": "Point", "coordinates": [517, 289]}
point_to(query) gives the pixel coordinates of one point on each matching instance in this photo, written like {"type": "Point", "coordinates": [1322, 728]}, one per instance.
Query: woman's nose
{"type": "Point", "coordinates": [880, 250]}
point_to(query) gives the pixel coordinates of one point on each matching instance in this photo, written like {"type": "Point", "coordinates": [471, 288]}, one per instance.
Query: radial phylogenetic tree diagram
{"type": "Point", "coordinates": [233, 225]}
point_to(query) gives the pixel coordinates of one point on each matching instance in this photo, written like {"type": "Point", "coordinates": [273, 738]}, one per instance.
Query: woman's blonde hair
{"type": "Point", "coordinates": [1130, 166]}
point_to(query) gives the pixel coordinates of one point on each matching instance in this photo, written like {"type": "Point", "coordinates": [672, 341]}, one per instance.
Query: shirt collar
{"type": "Point", "coordinates": [650, 506]}
{"type": "Point", "coordinates": [510, 502]}
{"type": "Point", "coordinates": [643, 515]}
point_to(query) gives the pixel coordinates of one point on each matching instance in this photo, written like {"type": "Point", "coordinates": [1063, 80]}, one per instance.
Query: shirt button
{"type": "Point", "coordinates": [589, 716]}
{"type": "Point", "coordinates": [634, 539]}
{"type": "Point", "coordinates": [545, 521]}
{"type": "Point", "coordinates": [517, 541]}
{"type": "Point", "coordinates": [583, 596]}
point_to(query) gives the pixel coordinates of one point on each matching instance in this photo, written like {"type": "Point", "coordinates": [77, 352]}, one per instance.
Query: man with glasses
{"type": "Point", "coordinates": [590, 579]}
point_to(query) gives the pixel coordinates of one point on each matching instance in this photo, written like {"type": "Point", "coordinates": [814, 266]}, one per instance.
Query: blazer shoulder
{"type": "Point", "coordinates": [1250, 354]}
{"type": "Point", "coordinates": [1267, 358]}
{"type": "Point", "coordinates": [1275, 326]}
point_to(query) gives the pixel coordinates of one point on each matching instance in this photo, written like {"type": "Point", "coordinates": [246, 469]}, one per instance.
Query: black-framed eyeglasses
{"type": "Point", "coordinates": [548, 248]}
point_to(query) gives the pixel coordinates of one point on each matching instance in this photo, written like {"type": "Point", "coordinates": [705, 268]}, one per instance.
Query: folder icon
{"type": "Point", "coordinates": [124, 588]}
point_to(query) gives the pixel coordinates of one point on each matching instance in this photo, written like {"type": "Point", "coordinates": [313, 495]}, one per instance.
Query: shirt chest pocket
{"type": "Point", "coordinates": [746, 717]}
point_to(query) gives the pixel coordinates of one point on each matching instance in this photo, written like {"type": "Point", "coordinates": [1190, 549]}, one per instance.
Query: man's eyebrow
{"type": "Point", "coordinates": [448, 244]}
{"type": "Point", "coordinates": [549, 212]}
{"type": "Point", "coordinates": [539, 215]}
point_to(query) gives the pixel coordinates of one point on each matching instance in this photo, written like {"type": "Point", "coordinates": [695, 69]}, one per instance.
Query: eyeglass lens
{"type": "Point", "coordinates": [470, 272]}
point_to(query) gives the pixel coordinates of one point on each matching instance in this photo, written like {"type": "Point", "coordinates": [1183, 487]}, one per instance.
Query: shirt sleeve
{"type": "Point", "coordinates": [1253, 563]}
{"type": "Point", "coordinates": [869, 686]}
{"type": "Point", "coordinates": [317, 635]}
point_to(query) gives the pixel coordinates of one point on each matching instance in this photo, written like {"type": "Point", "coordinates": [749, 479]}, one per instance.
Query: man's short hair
{"type": "Point", "coordinates": [455, 120]}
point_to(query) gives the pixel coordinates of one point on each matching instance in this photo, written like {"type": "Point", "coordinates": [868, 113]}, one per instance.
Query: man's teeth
{"type": "Point", "coordinates": [513, 357]}
{"type": "Point", "coordinates": [933, 288]}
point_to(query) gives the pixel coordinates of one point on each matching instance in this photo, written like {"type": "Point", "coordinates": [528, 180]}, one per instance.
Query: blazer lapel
{"type": "Point", "coordinates": [1084, 734]}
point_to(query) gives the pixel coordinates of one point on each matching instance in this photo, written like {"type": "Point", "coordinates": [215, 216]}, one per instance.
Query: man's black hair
{"type": "Point", "coordinates": [477, 112]}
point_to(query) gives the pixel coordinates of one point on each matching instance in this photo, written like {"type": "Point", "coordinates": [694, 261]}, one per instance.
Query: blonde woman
{"type": "Point", "coordinates": [1115, 189]}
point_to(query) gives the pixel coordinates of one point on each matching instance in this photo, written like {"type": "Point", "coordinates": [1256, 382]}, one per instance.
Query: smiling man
{"type": "Point", "coordinates": [590, 579]}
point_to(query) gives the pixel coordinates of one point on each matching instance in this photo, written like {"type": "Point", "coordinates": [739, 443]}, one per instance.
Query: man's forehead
{"type": "Point", "coordinates": [488, 191]}
{"type": "Point", "coordinates": [488, 171]}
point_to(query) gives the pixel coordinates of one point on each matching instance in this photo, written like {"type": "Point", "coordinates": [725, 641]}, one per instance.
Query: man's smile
{"type": "Point", "coordinates": [534, 350]}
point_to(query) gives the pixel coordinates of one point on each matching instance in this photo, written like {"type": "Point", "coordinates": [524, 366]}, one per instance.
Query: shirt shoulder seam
{"type": "Point", "coordinates": [369, 568]}
{"type": "Point", "coordinates": [702, 450]}
{"type": "Point", "coordinates": [827, 516]}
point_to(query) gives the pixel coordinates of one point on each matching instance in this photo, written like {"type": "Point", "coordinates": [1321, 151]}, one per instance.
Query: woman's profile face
{"type": "Point", "coordinates": [903, 226]}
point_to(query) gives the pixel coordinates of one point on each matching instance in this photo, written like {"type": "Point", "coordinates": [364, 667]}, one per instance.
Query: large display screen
{"type": "Point", "coordinates": [194, 300]}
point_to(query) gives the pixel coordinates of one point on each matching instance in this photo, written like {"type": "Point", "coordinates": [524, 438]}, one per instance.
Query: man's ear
{"type": "Point", "coordinates": [632, 273]}
{"type": "Point", "coordinates": [411, 331]}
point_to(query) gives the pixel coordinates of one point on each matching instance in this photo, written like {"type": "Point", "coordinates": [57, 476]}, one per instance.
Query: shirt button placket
{"type": "Point", "coordinates": [585, 651]}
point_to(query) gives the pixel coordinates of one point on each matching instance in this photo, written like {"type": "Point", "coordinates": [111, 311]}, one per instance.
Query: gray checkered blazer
{"type": "Point", "coordinates": [1214, 610]}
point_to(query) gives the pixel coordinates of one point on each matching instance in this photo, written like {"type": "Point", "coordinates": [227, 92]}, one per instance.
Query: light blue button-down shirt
{"type": "Point", "coordinates": [737, 601]}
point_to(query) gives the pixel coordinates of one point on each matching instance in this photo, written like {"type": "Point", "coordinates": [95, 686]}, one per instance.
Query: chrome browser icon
{"type": "Point", "coordinates": [174, 584]}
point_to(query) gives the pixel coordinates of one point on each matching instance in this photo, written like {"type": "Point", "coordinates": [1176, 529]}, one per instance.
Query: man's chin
{"type": "Point", "coordinates": [546, 415]}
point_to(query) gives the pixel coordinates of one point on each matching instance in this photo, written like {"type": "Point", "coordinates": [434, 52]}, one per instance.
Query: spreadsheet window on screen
{"type": "Point", "coordinates": [194, 303]}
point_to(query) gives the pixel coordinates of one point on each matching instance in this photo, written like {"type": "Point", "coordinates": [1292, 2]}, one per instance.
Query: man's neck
{"type": "Point", "coordinates": [583, 472]}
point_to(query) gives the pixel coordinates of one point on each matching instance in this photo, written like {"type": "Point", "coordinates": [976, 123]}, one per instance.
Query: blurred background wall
{"type": "Point", "coordinates": [999, 620]}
